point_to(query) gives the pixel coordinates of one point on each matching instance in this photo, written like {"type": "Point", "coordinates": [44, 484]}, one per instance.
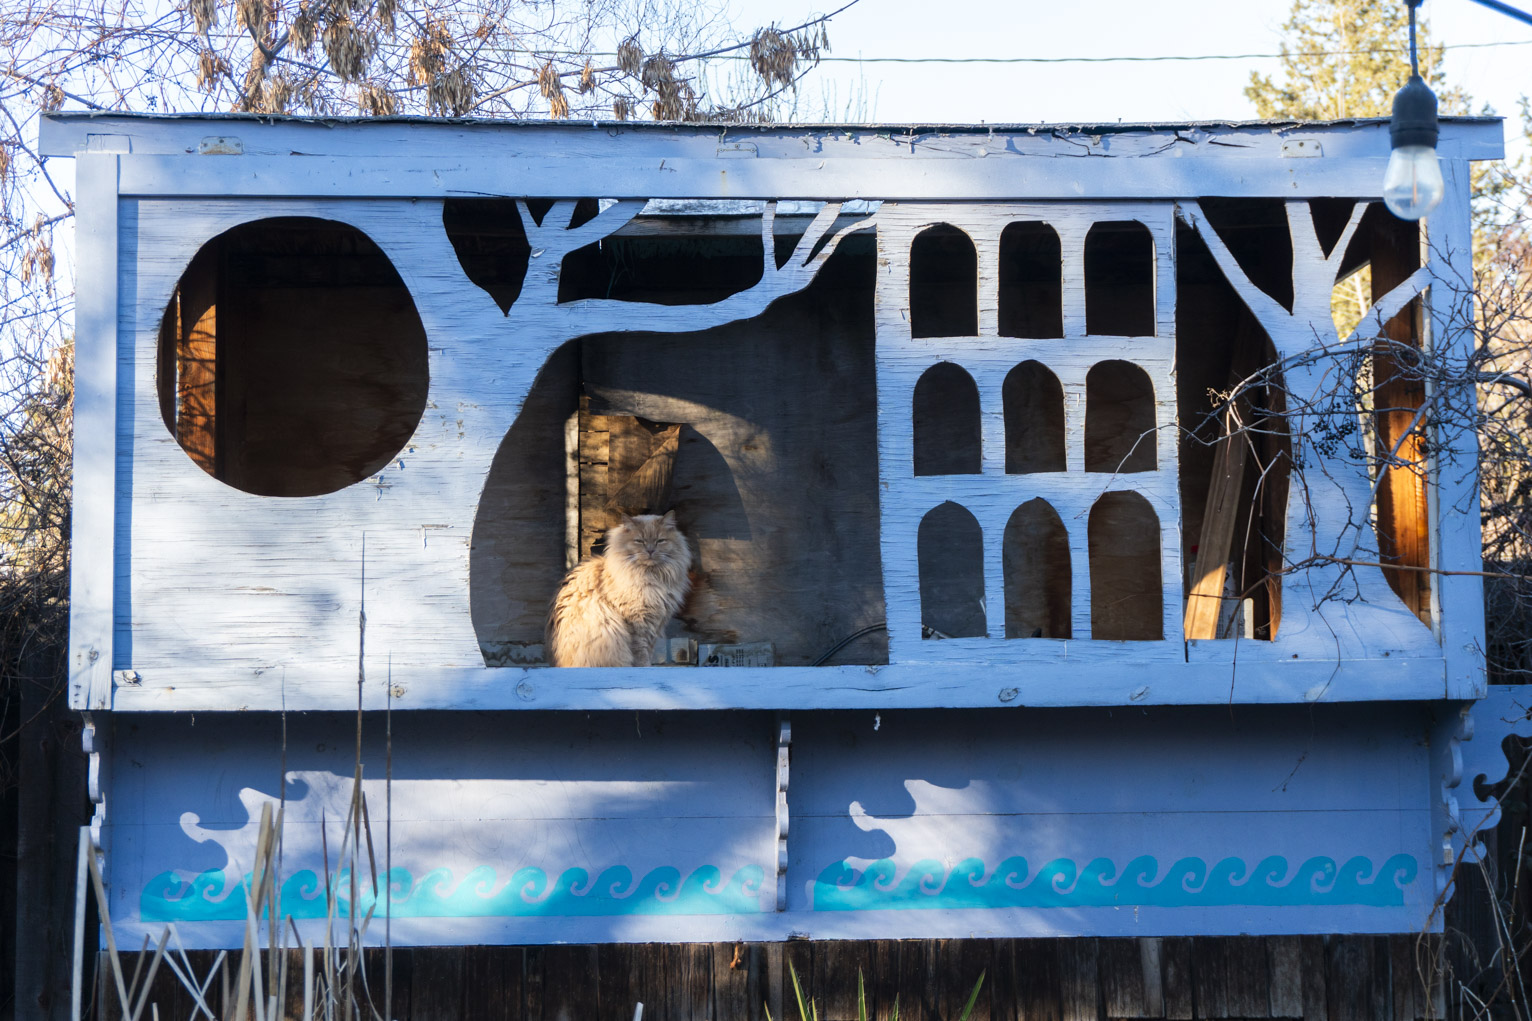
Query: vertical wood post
{"type": "Point", "coordinates": [95, 433]}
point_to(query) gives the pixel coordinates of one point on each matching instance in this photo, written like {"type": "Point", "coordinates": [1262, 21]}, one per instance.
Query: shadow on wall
{"type": "Point", "coordinates": [774, 481]}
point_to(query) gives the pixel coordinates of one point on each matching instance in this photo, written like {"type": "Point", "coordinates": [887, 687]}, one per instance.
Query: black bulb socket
{"type": "Point", "coordinates": [1414, 120]}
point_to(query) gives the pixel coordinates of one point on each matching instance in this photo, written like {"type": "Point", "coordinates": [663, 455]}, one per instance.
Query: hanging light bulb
{"type": "Point", "coordinates": [1412, 184]}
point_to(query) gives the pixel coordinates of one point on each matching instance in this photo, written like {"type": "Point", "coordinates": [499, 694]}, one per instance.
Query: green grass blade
{"type": "Point", "coordinates": [895, 1015]}
{"type": "Point", "coordinates": [861, 997]}
{"type": "Point", "coordinates": [806, 1012]}
{"type": "Point", "coordinates": [973, 998]}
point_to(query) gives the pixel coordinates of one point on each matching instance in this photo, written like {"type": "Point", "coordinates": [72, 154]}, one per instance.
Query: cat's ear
{"type": "Point", "coordinates": [670, 518]}
{"type": "Point", "coordinates": [627, 521]}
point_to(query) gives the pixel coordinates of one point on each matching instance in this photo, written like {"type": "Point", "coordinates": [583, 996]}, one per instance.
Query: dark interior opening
{"type": "Point", "coordinates": [1126, 599]}
{"type": "Point", "coordinates": [951, 561]}
{"type": "Point", "coordinates": [948, 437]}
{"type": "Point", "coordinates": [1031, 288]}
{"type": "Point", "coordinates": [774, 474]}
{"type": "Point", "coordinates": [944, 284]}
{"type": "Point", "coordinates": [1034, 420]}
{"type": "Point", "coordinates": [1037, 578]}
{"type": "Point", "coordinates": [292, 361]}
{"type": "Point", "coordinates": [1119, 419]}
{"type": "Point", "coordinates": [1119, 279]}
{"type": "Point", "coordinates": [678, 269]}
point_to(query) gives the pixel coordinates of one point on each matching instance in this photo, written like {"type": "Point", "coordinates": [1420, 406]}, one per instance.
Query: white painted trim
{"type": "Point", "coordinates": [1457, 600]}
{"type": "Point", "coordinates": [65, 133]}
{"type": "Point", "coordinates": [93, 518]}
{"type": "Point", "coordinates": [979, 673]}
{"type": "Point", "coordinates": [661, 177]}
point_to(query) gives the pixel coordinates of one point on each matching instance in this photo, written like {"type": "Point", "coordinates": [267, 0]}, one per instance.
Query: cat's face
{"type": "Point", "coordinates": [649, 541]}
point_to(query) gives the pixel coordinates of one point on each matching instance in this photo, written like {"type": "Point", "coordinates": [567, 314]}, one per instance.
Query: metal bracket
{"type": "Point", "coordinates": [784, 757]}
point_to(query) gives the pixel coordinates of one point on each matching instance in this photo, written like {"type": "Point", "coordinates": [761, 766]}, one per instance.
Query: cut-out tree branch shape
{"type": "Point", "coordinates": [553, 239]}
{"type": "Point", "coordinates": [1331, 597]}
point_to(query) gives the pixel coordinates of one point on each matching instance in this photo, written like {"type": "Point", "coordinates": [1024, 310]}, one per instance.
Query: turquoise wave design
{"type": "Point", "coordinates": [479, 894]}
{"type": "Point", "coordinates": [1188, 882]}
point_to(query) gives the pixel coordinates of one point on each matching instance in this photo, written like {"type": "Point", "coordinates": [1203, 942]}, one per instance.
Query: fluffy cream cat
{"type": "Point", "coordinates": [611, 609]}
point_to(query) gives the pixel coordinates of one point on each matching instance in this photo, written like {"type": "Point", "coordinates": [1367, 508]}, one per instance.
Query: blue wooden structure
{"type": "Point", "coordinates": [351, 393]}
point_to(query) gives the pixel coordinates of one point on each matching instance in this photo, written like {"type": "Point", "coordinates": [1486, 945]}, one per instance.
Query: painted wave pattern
{"type": "Point", "coordinates": [662, 891]}
{"type": "Point", "coordinates": [1188, 882]}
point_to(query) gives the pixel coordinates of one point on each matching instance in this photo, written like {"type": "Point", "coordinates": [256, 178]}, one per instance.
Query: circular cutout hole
{"type": "Point", "coordinates": [292, 360]}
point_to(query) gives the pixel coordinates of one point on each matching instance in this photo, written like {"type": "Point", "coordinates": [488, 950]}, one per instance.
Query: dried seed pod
{"type": "Point", "coordinates": [773, 56]}
{"type": "Point", "coordinates": [452, 94]}
{"type": "Point", "coordinates": [621, 110]}
{"type": "Point", "coordinates": [428, 53]}
{"type": "Point", "coordinates": [552, 89]}
{"type": "Point", "coordinates": [210, 68]}
{"type": "Point", "coordinates": [375, 101]}
{"type": "Point", "coordinates": [348, 48]}
{"type": "Point", "coordinates": [385, 15]}
{"type": "Point", "coordinates": [587, 78]}
{"type": "Point", "coordinates": [301, 34]}
{"type": "Point", "coordinates": [630, 56]}
{"type": "Point", "coordinates": [204, 14]}
{"type": "Point", "coordinates": [5, 163]}
{"type": "Point", "coordinates": [53, 98]}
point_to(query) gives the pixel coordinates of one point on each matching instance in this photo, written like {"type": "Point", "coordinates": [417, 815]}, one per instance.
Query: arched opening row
{"type": "Point", "coordinates": [1119, 420]}
{"type": "Point", "coordinates": [1123, 546]}
{"type": "Point", "coordinates": [1118, 269]}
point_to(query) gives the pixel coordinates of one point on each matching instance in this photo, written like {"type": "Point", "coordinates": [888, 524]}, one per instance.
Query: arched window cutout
{"type": "Point", "coordinates": [292, 361]}
{"type": "Point", "coordinates": [1031, 288]}
{"type": "Point", "coordinates": [944, 284]}
{"type": "Point", "coordinates": [1127, 600]}
{"type": "Point", "coordinates": [1119, 419]}
{"type": "Point", "coordinates": [1119, 279]}
{"type": "Point", "coordinates": [946, 422]}
{"type": "Point", "coordinates": [1034, 420]}
{"type": "Point", "coordinates": [1037, 579]}
{"type": "Point", "coordinates": [951, 559]}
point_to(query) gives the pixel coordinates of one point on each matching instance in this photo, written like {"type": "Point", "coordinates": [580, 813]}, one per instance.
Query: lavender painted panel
{"type": "Point", "coordinates": [514, 827]}
{"type": "Point", "coordinates": [1117, 822]}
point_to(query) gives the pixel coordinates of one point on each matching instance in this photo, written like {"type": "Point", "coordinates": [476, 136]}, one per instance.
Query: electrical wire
{"type": "Point", "coordinates": [853, 636]}
{"type": "Point", "coordinates": [1183, 58]}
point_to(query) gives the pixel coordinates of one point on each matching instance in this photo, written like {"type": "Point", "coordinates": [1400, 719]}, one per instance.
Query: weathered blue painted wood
{"type": "Point", "coordinates": [1122, 822]}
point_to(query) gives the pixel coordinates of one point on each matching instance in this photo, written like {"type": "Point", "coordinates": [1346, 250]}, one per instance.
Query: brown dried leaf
{"type": "Point", "coordinates": [587, 78]}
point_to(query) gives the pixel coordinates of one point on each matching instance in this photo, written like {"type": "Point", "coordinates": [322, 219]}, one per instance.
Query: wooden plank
{"type": "Point", "coordinates": [1459, 545]}
{"type": "Point", "coordinates": [1121, 967]}
{"type": "Point", "coordinates": [1079, 980]}
{"type": "Point", "coordinates": [64, 133]}
{"type": "Point", "coordinates": [1004, 986]}
{"type": "Point", "coordinates": [1180, 999]}
{"type": "Point", "coordinates": [1249, 977]}
{"type": "Point", "coordinates": [93, 516]}
{"type": "Point", "coordinates": [1284, 956]}
{"type": "Point", "coordinates": [1088, 677]}
{"type": "Point", "coordinates": [1153, 972]}
{"type": "Point", "coordinates": [883, 990]}
{"type": "Point", "coordinates": [437, 990]}
{"type": "Point", "coordinates": [1204, 602]}
{"type": "Point", "coordinates": [1403, 522]}
{"type": "Point", "coordinates": [1210, 977]}
{"type": "Point", "coordinates": [1348, 978]}
{"type": "Point", "coordinates": [662, 177]}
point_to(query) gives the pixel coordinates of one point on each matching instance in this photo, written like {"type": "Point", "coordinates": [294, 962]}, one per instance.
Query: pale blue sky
{"type": "Point", "coordinates": [1095, 92]}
